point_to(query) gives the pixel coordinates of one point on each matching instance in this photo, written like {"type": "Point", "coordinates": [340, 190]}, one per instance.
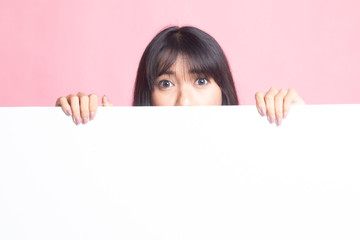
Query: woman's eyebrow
{"type": "Point", "coordinates": [191, 71]}
{"type": "Point", "coordinates": [195, 71]}
{"type": "Point", "coordinates": [168, 72]}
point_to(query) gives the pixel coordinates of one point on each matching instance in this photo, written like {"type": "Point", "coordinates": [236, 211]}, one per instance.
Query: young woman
{"type": "Point", "coordinates": [184, 66]}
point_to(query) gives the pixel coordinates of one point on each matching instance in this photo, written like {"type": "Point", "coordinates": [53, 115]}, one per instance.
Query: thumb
{"type": "Point", "coordinates": [106, 102]}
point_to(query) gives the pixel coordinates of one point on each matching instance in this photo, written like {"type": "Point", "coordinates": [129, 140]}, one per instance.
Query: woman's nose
{"type": "Point", "coordinates": [185, 98]}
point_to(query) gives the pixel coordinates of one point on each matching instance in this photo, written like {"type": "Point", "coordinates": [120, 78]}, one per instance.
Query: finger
{"type": "Point", "coordinates": [84, 107]}
{"type": "Point", "coordinates": [75, 107]}
{"type": "Point", "coordinates": [269, 101]}
{"type": "Point", "coordinates": [64, 104]}
{"type": "Point", "coordinates": [106, 102]}
{"type": "Point", "coordinates": [260, 103]}
{"type": "Point", "coordinates": [292, 97]}
{"type": "Point", "coordinates": [279, 102]}
{"type": "Point", "coordinates": [93, 105]}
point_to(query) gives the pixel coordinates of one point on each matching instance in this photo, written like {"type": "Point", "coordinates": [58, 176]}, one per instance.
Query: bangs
{"type": "Point", "coordinates": [200, 60]}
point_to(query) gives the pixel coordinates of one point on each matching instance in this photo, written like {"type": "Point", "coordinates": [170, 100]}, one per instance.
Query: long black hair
{"type": "Point", "coordinates": [201, 50]}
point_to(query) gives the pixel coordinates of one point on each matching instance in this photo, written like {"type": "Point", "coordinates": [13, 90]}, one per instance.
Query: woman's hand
{"type": "Point", "coordinates": [275, 104]}
{"type": "Point", "coordinates": [81, 107]}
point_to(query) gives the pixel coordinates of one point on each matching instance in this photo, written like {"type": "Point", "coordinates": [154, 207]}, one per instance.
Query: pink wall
{"type": "Point", "coordinates": [52, 48]}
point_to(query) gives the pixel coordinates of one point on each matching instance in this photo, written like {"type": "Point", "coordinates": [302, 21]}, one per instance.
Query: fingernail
{"type": "Point", "coordinates": [278, 121]}
{"type": "Point", "coordinates": [77, 121]}
{"type": "Point", "coordinates": [262, 112]}
{"type": "Point", "coordinates": [68, 112]}
{"type": "Point", "coordinates": [285, 115]}
{"type": "Point", "coordinates": [92, 115]}
{"type": "Point", "coordinates": [271, 119]}
{"type": "Point", "coordinates": [85, 120]}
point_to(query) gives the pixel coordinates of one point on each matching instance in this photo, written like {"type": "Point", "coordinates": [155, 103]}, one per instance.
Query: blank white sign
{"type": "Point", "coordinates": [180, 173]}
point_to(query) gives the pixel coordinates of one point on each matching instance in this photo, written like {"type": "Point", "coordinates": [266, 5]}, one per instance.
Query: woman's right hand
{"type": "Point", "coordinates": [81, 107]}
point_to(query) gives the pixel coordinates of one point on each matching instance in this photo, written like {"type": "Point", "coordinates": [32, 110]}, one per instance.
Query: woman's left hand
{"type": "Point", "coordinates": [275, 104]}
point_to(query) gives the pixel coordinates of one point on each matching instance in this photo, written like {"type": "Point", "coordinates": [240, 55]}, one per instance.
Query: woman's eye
{"type": "Point", "coordinates": [202, 81]}
{"type": "Point", "coordinates": [165, 84]}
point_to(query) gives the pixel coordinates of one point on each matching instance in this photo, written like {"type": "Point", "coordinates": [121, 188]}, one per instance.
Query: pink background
{"type": "Point", "coordinates": [50, 48]}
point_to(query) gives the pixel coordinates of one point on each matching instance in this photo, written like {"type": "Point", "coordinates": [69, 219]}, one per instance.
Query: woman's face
{"type": "Point", "coordinates": [180, 86]}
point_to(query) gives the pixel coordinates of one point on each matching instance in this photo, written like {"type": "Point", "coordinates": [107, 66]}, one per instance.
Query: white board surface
{"type": "Point", "coordinates": [180, 173]}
